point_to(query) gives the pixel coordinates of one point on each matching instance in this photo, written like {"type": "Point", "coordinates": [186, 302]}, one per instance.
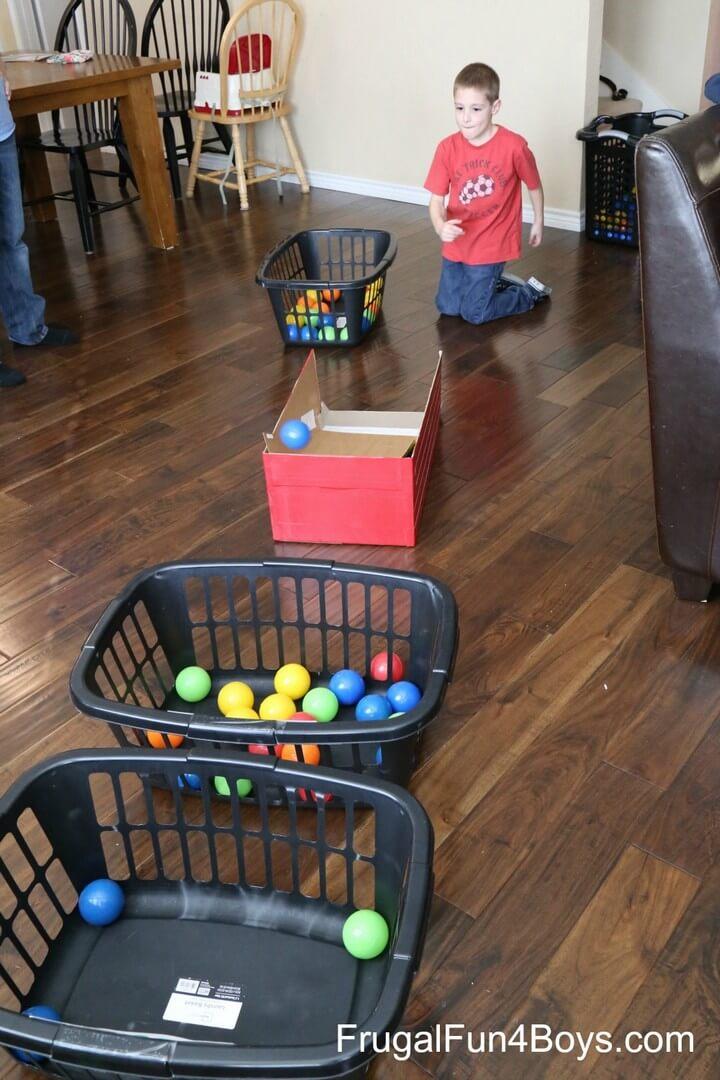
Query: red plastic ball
{"type": "Point", "coordinates": [379, 667]}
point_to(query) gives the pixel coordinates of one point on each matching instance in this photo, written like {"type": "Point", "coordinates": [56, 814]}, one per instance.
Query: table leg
{"type": "Point", "coordinates": [36, 175]}
{"type": "Point", "coordinates": [142, 135]}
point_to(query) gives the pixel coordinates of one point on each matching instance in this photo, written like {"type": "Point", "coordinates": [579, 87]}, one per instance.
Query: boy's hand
{"type": "Point", "coordinates": [536, 234]}
{"type": "Point", "coordinates": [451, 230]}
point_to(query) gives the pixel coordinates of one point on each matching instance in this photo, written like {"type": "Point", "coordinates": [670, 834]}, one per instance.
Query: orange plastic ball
{"type": "Point", "coordinates": [157, 740]}
{"type": "Point", "coordinates": [307, 752]}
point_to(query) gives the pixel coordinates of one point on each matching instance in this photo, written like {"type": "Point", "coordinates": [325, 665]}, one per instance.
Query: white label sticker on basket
{"type": "Point", "coordinates": [199, 1002]}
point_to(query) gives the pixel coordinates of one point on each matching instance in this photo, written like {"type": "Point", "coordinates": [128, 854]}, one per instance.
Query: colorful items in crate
{"type": "Point", "coordinates": [617, 221]}
{"type": "Point", "coordinates": [372, 302]}
{"type": "Point", "coordinates": [317, 317]}
{"type": "Point", "coordinates": [320, 704]}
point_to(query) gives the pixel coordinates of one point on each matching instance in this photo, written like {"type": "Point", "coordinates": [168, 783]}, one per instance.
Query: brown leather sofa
{"type": "Point", "coordinates": [678, 184]}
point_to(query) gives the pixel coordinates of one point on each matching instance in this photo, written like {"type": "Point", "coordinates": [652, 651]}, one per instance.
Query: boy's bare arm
{"type": "Point", "coordinates": [446, 230]}
{"type": "Point", "coordinates": [4, 80]}
{"type": "Point", "coordinates": [537, 200]}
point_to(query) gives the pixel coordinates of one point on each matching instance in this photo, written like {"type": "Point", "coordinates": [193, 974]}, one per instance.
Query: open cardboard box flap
{"type": "Point", "coordinates": [338, 432]}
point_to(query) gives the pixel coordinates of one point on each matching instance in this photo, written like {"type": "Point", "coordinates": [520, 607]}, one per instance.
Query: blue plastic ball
{"type": "Point", "coordinates": [35, 1012]}
{"type": "Point", "coordinates": [101, 902]}
{"type": "Point", "coordinates": [191, 780]}
{"type": "Point", "coordinates": [348, 686]}
{"type": "Point", "coordinates": [403, 696]}
{"type": "Point", "coordinates": [327, 320]}
{"type": "Point", "coordinates": [295, 434]}
{"type": "Point", "coordinates": [292, 332]}
{"type": "Point", "coordinates": [305, 333]}
{"type": "Point", "coordinates": [373, 707]}
{"type": "Point", "coordinates": [378, 756]}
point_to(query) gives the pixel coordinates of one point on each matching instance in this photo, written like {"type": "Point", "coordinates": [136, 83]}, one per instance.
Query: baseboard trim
{"type": "Point", "coordinates": [572, 220]}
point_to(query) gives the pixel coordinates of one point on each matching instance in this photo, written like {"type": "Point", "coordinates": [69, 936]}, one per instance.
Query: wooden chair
{"type": "Point", "coordinates": [259, 43]}
{"type": "Point", "coordinates": [103, 26]}
{"type": "Point", "coordinates": [191, 31]}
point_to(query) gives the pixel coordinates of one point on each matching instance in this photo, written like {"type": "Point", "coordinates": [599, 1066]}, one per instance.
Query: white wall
{"type": "Point", "coordinates": [656, 50]}
{"type": "Point", "coordinates": [373, 84]}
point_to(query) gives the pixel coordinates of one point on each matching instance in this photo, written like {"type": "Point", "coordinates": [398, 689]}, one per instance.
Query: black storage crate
{"type": "Point", "coordinates": [245, 898]}
{"type": "Point", "coordinates": [610, 195]}
{"type": "Point", "coordinates": [243, 620]}
{"type": "Point", "coordinates": [326, 286]}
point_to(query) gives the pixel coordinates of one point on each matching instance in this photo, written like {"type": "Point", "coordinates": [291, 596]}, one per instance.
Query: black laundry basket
{"type": "Point", "coordinates": [326, 286]}
{"type": "Point", "coordinates": [610, 196]}
{"type": "Point", "coordinates": [243, 620]}
{"type": "Point", "coordinates": [240, 906]}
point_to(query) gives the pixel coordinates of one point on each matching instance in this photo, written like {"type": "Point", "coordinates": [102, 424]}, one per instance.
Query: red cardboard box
{"type": "Point", "coordinates": [362, 477]}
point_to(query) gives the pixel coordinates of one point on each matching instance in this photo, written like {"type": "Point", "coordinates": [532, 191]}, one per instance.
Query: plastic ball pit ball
{"type": "Point", "coordinates": [292, 332]}
{"type": "Point", "coordinates": [244, 787]}
{"type": "Point", "coordinates": [235, 695]}
{"type": "Point", "coordinates": [191, 780]}
{"type": "Point", "coordinates": [404, 696]}
{"type": "Point", "coordinates": [304, 717]}
{"type": "Point", "coordinates": [321, 703]}
{"type": "Point", "coordinates": [192, 684]}
{"type": "Point", "coordinates": [373, 707]}
{"type": "Point", "coordinates": [277, 707]}
{"type": "Point", "coordinates": [35, 1012]}
{"type": "Point", "coordinates": [365, 934]}
{"type": "Point", "coordinates": [348, 686]}
{"type": "Point", "coordinates": [156, 739]}
{"type": "Point", "coordinates": [259, 748]}
{"type": "Point", "coordinates": [295, 434]}
{"type": "Point", "coordinates": [242, 714]}
{"type": "Point", "coordinates": [101, 902]}
{"type": "Point", "coordinates": [379, 667]}
{"type": "Point", "coordinates": [308, 753]}
{"type": "Point", "coordinates": [331, 294]}
{"type": "Point", "coordinates": [293, 680]}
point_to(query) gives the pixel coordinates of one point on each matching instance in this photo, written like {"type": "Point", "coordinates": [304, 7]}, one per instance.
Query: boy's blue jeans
{"type": "Point", "coordinates": [472, 293]}
{"type": "Point", "coordinates": [22, 310]}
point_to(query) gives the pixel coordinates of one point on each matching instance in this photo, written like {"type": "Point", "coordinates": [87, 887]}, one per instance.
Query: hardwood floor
{"type": "Point", "coordinates": [573, 778]}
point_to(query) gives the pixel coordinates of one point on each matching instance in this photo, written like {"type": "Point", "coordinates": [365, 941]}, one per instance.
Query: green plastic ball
{"type": "Point", "coordinates": [365, 934]}
{"type": "Point", "coordinates": [321, 703]}
{"type": "Point", "coordinates": [329, 333]}
{"type": "Point", "coordinates": [244, 787]}
{"type": "Point", "coordinates": [192, 684]}
{"type": "Point", "coordinates": [344, 334]}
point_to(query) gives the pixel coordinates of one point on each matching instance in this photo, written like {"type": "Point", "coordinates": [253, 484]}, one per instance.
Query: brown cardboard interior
{"type": "Point", "coordinates": [359, 433]}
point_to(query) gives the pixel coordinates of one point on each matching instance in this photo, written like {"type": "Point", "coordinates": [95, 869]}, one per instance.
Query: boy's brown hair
{"type": "Point", "coordinates": [479, 77]}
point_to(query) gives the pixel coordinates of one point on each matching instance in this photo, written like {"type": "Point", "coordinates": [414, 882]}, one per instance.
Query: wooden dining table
{"type": "Point", "coordinates": [39, 87]}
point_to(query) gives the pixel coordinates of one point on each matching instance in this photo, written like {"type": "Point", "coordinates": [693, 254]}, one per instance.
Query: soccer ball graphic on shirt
{"type": "Point", "coordinates": [479, 188]}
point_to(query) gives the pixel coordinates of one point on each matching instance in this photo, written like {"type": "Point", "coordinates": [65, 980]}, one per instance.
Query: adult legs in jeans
{"type": "Point", "coordinates": [23, 311]}
{"type": "Point", "coordinates": [471, 292]}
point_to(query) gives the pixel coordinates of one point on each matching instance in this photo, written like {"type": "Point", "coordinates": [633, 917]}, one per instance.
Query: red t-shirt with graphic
{"type": "Point", "coordinates": [485, 194]}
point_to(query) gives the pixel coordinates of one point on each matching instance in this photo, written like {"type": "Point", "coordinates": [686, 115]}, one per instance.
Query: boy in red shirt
{"type": "Point", "coordinates": [481, 168]}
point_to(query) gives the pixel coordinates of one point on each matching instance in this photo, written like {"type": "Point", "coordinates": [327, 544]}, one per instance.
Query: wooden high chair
{"type": "Point", "coordinates": [258, 50]}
